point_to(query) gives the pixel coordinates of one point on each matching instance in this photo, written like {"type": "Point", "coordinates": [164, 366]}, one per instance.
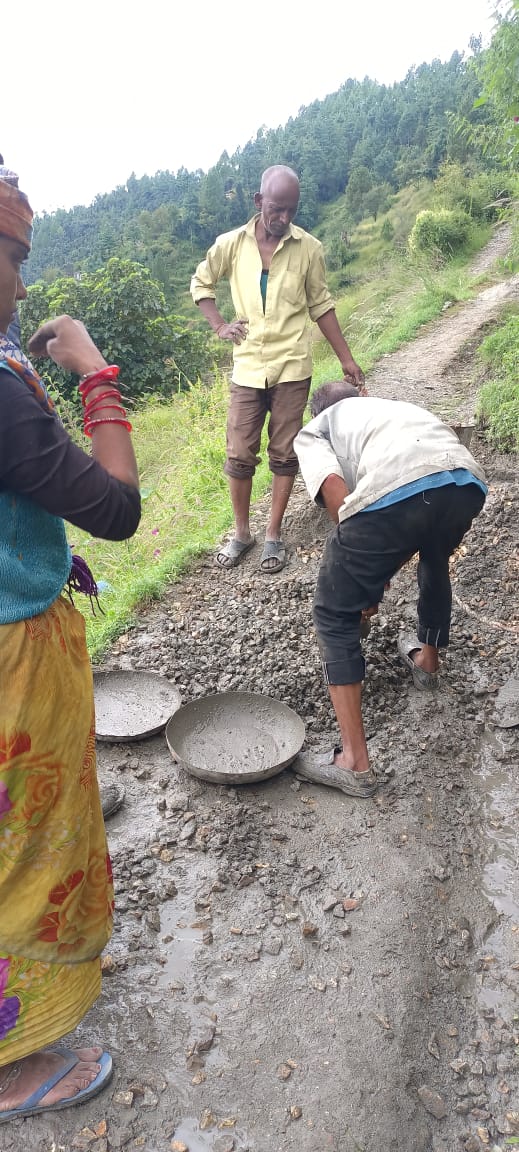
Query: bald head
{"type": "Point", "coordinates": [278, 178]}
{"type": "Point", "coordinates": [331, 393]}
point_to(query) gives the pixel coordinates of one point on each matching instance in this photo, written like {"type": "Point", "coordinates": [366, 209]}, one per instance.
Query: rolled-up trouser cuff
{"type": "Point", "coordinates": [344, 671]}
{"type": "Point", "coordinates": [438, 637]}
{"type": "Point", "coordinates": [291, 468]}
{"type": "Point", "coordinates": [239, 471]}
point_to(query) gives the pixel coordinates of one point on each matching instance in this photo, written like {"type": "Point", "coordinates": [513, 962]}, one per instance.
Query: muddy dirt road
{"type": "Point", "coordinates": [291, 970]}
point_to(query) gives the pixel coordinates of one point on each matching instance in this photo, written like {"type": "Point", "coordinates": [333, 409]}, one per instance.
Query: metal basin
{"type": "Point", "coordinates": [132, 705]}
{"type": "Point", "coordinates": [235, 737]}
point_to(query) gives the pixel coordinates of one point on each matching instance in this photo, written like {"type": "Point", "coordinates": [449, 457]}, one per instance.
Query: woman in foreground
{"type": "Point", "coordinates": [56, 893]}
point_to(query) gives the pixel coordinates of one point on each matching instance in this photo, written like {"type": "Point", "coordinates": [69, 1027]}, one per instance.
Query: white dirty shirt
{"type": "Point", "coordinates": [378, 446]}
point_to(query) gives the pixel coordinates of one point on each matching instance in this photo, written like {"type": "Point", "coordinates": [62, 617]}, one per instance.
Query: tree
{"type": "Point", "coordinates": [376, 200]}
{"type": "Point", "coordinates": [500, 77]}
{"type": "Point", "coordinates": [359, 185]}
{"type": "Point", "coordinates": [495, 132]}
{"type": "Point", "coordinates": [126, 314]}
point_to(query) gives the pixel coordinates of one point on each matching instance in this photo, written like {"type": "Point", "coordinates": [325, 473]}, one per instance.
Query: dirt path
{"type": "Point", "coordinates": [247, 1007]}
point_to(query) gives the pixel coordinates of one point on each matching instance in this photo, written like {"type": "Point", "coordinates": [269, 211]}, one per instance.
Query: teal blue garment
{"type": "Point", "coordinates": [458, 476]}
{"type": "Point", "coordinates": [263, 286]}
{"type": "Point", "coordinates": [35, 559]}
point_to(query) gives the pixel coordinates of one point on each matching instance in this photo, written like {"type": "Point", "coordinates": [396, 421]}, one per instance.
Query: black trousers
{"type": "Point", "coordinates": [366, 550]}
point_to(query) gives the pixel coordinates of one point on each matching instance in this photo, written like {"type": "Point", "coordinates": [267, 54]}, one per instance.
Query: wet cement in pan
{"type": "Point", "coordinates": [237, 736]}
{"type": "Point", "coordinates": [132, 705]}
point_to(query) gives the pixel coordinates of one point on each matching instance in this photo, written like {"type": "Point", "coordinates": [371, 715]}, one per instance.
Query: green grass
{"type": "Point", "coordinates": [498, 405]}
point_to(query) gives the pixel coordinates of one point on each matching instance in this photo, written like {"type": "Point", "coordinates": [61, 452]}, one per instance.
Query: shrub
{"type": "Point", "coordinates": [441, 231]}
{"type": "Point", "coordinates": [387, 231]}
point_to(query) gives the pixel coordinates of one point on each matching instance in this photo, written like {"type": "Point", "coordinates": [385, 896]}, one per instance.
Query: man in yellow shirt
{"type": "Point", "coordinates": [277, 277]}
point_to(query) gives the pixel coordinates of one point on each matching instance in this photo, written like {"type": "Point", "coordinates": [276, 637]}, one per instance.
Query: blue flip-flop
{"type": "Point", "coordinates": [32, 1105]}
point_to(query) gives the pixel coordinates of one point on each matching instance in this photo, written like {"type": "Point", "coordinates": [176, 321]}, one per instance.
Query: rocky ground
{"type": "Point", "coordinates": [292, 970]}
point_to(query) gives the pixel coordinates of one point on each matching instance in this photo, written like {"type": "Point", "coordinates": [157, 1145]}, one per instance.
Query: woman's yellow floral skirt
{"type": "Point", "coordinates": [56, 892]}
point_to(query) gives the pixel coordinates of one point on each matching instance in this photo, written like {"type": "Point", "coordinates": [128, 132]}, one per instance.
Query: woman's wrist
{"type": "Point", "coordinates": [91, 371]}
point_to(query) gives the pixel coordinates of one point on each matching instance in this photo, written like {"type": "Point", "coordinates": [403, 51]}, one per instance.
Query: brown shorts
{"type": "Point", "coordinates": [248, 408]}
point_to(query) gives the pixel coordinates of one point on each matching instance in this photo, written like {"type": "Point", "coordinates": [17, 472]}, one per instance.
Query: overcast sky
{"type": "Point", "coordinates": [92, 92]}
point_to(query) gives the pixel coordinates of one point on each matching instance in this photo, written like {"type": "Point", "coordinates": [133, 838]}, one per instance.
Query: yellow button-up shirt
{"type": "Point", "coordinates": [278, 345]}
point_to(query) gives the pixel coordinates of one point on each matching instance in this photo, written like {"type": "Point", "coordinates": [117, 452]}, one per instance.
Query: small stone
{"type": "Point", "coordinates": [207, 1120]}
{"type": "Point", "coordinates": [284, 1072]}
{"type": "Point", "coordinates": [124, 1099]}
{"type": "Point", "coordinates": [295, 1112]}
{"type": "Point", "coordinates": [179, 1146]}
{"type": "Point", "coordinates": [205, 1040]}
{"type": "Point", "coordinates": [149, 1099]}
{"type": "Point", "coordinates": [433, 1102]}
{"type": "Point", "coordinates": [318, 983]}
{"type": "Point", "coordinates": [309, 929]}
{"type": "Point", "coordinates": [168, 889]}
{"type": "Point", "coordinates": [108, 965]}
{"type": "Point", "coordinates": [188, 831]}
{"type": "Point", "coordinates": [273, 945]}
{"type": "Point", "coordinates": [460, 1067]}
{"type": "Point", "coordinates": [224, 1144]}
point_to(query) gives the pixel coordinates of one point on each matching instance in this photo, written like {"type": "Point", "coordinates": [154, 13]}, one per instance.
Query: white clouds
{"type": "Point", "coordinates": [102, 89]}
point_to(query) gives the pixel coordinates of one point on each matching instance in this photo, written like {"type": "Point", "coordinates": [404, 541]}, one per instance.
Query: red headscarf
{"type": "Point", "coordinates": [16, 214]}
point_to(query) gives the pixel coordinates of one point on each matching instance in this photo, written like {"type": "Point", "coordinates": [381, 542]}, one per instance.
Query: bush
{"type": "Point", "coordinates": [440, 231]}
{"type": "Point", "coordinates": [482, 195]}
{"type": "Point", "coordinates": [387, 231]}
{"type": "Point", "coordinates": [498, 414]}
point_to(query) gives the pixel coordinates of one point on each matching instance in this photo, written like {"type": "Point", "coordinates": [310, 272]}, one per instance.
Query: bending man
{"type": "Point", "coordinates": [396, 481]}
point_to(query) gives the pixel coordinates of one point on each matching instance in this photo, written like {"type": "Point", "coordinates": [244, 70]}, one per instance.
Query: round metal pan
{"type": "Point", "coordinates": [132, 705]}
{"type": "Point", "coordinates": [235, 737]}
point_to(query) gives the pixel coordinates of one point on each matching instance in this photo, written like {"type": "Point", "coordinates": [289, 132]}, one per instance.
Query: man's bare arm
{"type": "Point", "coordinates": [333, 492]}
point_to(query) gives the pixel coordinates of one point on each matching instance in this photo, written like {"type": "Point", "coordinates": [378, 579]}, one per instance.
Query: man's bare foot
{"type": "Point", "coordinates": [342, 760]}
{"type": "Point", "coordinates": [25, 1076]}
{"type": "Point", "coordinates": [426, 658]}
{"type": "Point", "coordinates": [274, 555]}
{"type": "Point", "coordinates": [422, 659]}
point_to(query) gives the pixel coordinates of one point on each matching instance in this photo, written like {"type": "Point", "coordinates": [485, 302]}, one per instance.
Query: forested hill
{"type": "Point", "coordinates": [367, 138]}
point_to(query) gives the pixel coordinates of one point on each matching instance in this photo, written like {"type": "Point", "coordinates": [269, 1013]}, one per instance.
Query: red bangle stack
{"type": "Point", "coordinates": [93, 408]}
